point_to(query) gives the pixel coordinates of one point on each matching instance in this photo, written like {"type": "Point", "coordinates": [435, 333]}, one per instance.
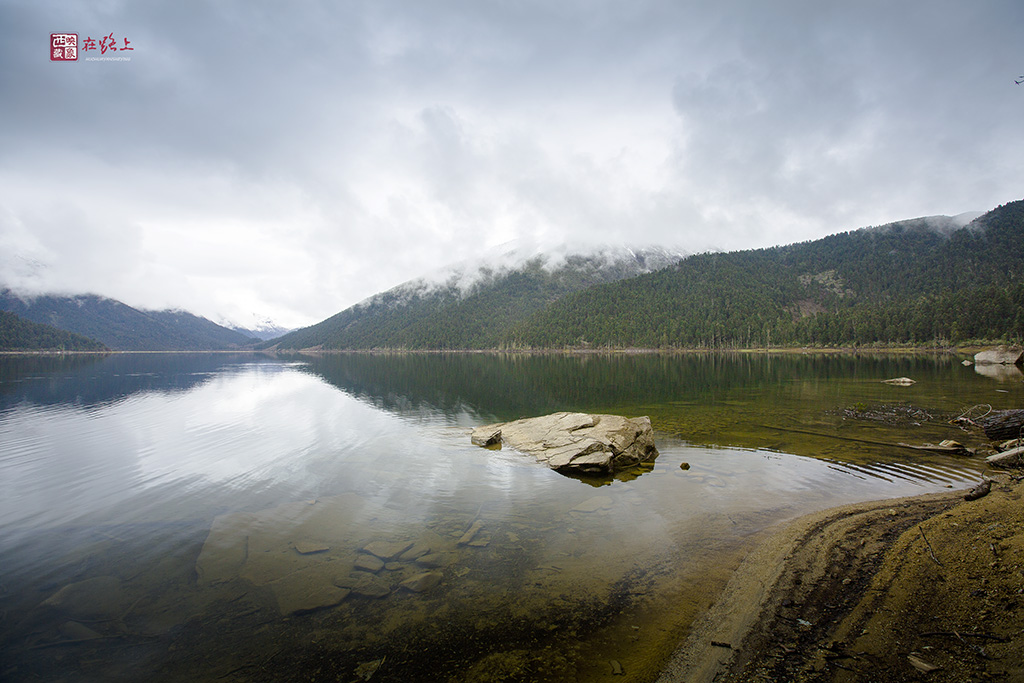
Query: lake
{"type": "Point", "coordinates": [235, 517]}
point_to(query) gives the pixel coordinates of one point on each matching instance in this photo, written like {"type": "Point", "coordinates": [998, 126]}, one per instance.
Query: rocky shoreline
{"type": "Point", "coordinates": [926, 588]}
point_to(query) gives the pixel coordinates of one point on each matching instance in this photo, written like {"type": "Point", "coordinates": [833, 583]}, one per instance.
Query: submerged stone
{"type": "Point", "coordinates": [225, 550]}
{"type": "Point", "coordinates": [308, 589]}
{"type": "Point", "coordinates": [369, 563]}
{"type": "Point", "coordinates": [593, 504]}
{"type": "Point", "coordinates": [421, 583]}
{"type": "Point", "coordinates": [364, 585]}
{"type": "Point", "coordinates": [387, 550]}
{"type": "Point", "coordinates": [72, 630]}
{"type": "Point", "coordinates": [419, 549]}
{"type": "Point", "coordinates": [435, 560]}
{"type": "Point", "coordinates": [98, 598]}
{"type": "Point", "coordinates": [467, 537]}
{"type": "Point", "coordinates": [309, 547]}
{"type": "Point", "coordinates": [296, 597]}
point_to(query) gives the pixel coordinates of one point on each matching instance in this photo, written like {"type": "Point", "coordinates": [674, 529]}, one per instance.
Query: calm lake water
{"type": "Point", "coordinates": [238, 518]}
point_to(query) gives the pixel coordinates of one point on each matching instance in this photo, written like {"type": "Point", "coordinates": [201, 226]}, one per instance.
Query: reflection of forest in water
{"type": "Point", "coordinates": [746, 400]}
{"type": "Point", "coordinates": [511, 385]}
{"type": "Point", "coordinates": [96, 379]}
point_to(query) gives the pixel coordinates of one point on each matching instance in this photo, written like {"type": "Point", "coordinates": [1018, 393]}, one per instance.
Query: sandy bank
{"type": "Point", "coordinates": [878, 591]}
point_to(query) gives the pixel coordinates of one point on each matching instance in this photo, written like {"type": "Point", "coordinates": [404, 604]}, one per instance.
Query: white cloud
{"type": "Point", "coordinates": [255, 158]}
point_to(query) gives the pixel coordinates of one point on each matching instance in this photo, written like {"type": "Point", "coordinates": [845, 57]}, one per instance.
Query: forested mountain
{"type": "Point", "coordinates": [121, 327]}
{"type": "Point", "coordinates": [917, 281]}
{"type": "Point", "coordinates": [921, 281]}
{"type": "Point", "coordinates": [200, 332]}
{"type": "Point", "coordinates": [17, 334]}
{"type": "Point", "coordinates": [469, 307]}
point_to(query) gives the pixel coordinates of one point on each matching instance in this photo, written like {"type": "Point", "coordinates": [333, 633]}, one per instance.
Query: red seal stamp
{"type": "Point", "coordinates": [63, 47]}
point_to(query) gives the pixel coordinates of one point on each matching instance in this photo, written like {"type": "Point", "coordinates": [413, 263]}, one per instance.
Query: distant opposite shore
{"type": "Point", "coordinates": [964, 351]}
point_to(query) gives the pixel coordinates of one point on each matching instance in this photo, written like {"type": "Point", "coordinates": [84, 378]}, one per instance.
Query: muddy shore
{"type": "Point", "coordinates": [926, 588]}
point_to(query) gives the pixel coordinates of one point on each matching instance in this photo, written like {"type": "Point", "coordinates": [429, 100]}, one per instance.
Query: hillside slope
{"type": "Point", "coordinates": [469, 307]}
{"type": "Point", "coordinates": [913, 281]}
{"type": "Point", "coordinates": [18, 334]}
{"type": "Point", "coordinates": [121, 327]}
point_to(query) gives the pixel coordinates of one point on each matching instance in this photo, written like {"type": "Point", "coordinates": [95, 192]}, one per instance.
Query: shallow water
{"type": "Point", "coordinates": [207, 517]}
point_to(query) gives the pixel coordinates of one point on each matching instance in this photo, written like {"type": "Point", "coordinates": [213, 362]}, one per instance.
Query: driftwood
{"type": "Point", "coordinates": [930, 551]}
{"type": "Point", "coordinates": [979, 491]}
{"type": "Point", "coordinates": [1000, 425]}
{"type": "Point", "coordinates": [1013, 457]}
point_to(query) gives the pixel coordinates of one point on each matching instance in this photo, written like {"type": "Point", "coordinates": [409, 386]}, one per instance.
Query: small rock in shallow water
{"type": "Point", "coordinates": [72, 630]}
{"type": "Point", "coordinates": [100, 597]}
{"type": "Point", "coordinates": [364, 585]}
{"type": "Point", "coordinates": [421, 583]}
{"type": "Point", "coordinates": [417, 550]}
{"type": "Point", "coordinates": [435, 560]}
{"type": "Point", "coordinates": [471, 532]}
{"type": "Point", "coordinates": [369, 563]}
{"type": "Point", "coordinates": [387, 550]}
{"type": "Point", "coordinates": [302, 591]}
{"type": "Point", "coordinates": [593, 504]}
{"type": "Point", "coordinates": [309, 548]}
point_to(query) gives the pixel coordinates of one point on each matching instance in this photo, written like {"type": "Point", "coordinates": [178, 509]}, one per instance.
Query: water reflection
{"type": "Point", "coordinates": [208, 517]}
{"type": "Point", "coordinates": [510, 386]}
{"type": "Point", "coordinates": [792, 403]}
{"type": "Point", "coordinates": [1000, 373]}
{"type": "Point", "coordinates": [93, 380]}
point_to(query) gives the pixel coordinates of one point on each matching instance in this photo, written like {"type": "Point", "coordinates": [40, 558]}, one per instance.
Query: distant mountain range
{"type": "Point", "coordinates": [262, 330]}
{"type": "Point", "coordinates": [936, 279]}
{"type": "Point", "coordinates": [929, 280]}
{"type": "Point", "coordinates": [120, 327]}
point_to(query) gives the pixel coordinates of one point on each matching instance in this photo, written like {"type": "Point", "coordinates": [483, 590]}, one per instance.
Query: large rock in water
{"type": "Point", "coordinates": [1001, 355]}
{"type": "Point", "coordinates": [576, 442]}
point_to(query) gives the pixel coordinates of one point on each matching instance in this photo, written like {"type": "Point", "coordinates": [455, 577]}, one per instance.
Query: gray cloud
{"type": "Point", "coordinates": [255, 158]}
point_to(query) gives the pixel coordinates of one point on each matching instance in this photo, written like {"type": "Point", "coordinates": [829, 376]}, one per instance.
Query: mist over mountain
{"type": "Point", "coordinates": [935, 279]}
{"type": "Point", "coordinates": [471, 305]}
{"type": "Point", "coordinates": [253, 325]}
{"type": "Point", "coordinates": [121, 327]}
{"type": "Point", "coordinates": [919, 281]}
{"type": "Point", "coordinates": [262, 333]}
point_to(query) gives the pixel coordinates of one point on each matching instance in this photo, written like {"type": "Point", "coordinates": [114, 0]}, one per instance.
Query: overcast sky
{"type": "Point", "coordinates": [287, 160]}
